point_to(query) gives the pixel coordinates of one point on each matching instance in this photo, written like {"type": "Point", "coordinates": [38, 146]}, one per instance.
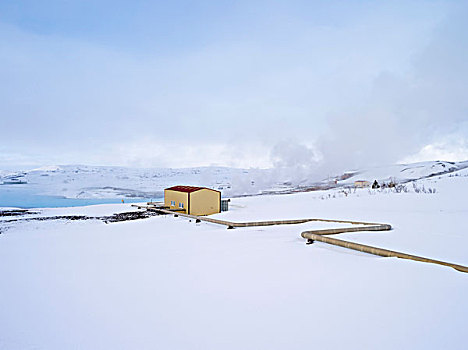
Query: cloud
{"type": "Point", "coordinates": [405, 112]}
{"type": "Point", "coordinates": [453, 149]}
{"type": "Point", "coordinates": [367, 86]}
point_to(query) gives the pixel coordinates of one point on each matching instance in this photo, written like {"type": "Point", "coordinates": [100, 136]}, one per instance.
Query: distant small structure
{"type": "Point", "coordinates": [361, 183]}
{"type": "Point", "coordinates": [193, 200]}
{"type": "Point", "coordinates": [14, 181]}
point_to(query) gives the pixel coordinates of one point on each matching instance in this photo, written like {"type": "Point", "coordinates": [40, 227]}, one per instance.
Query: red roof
{"type": "Point", "coordinates": [187, 189]}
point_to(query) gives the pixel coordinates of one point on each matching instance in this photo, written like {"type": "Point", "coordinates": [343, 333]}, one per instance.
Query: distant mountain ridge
{"type": "Point", "coordinates": [406, 172]}
{"type": "Point", "coordinates": [82, 181]}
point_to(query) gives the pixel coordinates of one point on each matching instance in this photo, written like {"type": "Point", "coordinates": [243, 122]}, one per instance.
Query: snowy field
{"type": "Point", "coordinates": [168, 283]}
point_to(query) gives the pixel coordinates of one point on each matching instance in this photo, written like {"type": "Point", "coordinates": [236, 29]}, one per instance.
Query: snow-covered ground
{"type": "Point", "coordinates": [169, 283]}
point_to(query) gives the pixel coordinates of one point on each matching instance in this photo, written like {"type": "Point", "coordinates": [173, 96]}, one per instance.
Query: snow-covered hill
{"type": "Point", "coordinates": [100, 182]}
{"type": "Point", "coordinates": [77, 181]}
{"type": "Point", "coordinates": [404, 172]}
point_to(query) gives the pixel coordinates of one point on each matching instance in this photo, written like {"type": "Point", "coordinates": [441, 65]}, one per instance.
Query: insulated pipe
{"type": "Point", "coordinates": [377, 251]}
{"type": "Point", "coordinates": [318, 235]}
{"type": "Point", "coordinates": [365, 226]}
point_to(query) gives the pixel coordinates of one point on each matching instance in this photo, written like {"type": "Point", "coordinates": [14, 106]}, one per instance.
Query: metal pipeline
{"type": "Point", "coordinates": [377, 251]}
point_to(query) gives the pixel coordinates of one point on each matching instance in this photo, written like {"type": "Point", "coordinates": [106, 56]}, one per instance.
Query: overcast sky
{"type": "Point", "coordinates": [323, 84]}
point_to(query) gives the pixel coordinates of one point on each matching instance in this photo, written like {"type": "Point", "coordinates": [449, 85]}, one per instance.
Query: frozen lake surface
{"type": "Point", "coordinates": [24, 198]}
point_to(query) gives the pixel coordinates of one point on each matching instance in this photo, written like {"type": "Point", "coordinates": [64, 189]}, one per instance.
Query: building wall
{"type": "Point", "coordinates": [361, 184]}
{"type": "Point", "coordinates": [178, 197]}
{"type": "Point", "coordinates": [205, 202]}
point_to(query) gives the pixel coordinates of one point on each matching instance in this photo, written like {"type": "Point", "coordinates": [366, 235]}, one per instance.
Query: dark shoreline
{"type": "Point", "coordinates": [17, 214]}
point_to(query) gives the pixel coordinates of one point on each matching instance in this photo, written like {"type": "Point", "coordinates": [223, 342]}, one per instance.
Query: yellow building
{"type": "Point", "coordinates": [361, 183]}
{"type": "Point", "coordinates": [193, 200]}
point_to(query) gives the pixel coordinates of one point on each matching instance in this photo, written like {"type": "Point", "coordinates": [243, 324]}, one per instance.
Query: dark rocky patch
{"type": "Point", "coordinates": [134, 215]}
{"type": "Point", "coordinates": [59, 217]}
{"type": "Point", "coordinates": [16, 212]}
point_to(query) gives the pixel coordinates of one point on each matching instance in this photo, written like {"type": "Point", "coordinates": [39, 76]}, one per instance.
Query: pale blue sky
{"type": "Point", "coordinates": [182, 83]}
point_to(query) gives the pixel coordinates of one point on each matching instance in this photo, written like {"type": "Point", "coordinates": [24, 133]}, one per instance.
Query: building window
{"type": "Point", "coordinates": [181, 205]}
{"type": "Point", "coordinates": [172, 203]}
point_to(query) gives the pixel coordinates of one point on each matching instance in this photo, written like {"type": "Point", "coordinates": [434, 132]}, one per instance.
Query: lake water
{"type": "Point", "coordinates": [25, 199]}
